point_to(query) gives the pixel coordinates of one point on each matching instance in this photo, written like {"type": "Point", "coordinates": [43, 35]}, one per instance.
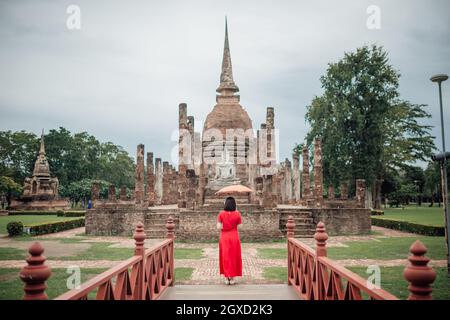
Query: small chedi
{"type": "Point", "coordinates": [40, 192]}
{"type": "Point", "coordinates": [229, 151]}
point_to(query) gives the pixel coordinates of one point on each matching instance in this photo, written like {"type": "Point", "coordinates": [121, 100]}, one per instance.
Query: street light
{"type": "Point", "coordinates": [439, 78]}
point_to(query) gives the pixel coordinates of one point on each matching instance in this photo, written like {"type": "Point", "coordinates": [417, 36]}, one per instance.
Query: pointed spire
{"type": "Point", "coordinates": [42, 148]}
{"type": "Point", "coordinates": [226, 77]}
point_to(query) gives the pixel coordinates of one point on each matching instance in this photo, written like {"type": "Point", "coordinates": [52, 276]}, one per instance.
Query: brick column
{"type": "Point", "coordinates": [165, 183]}
{"type": "Point", "coordinates": [344, 191]}
{"type": "Point", "coordinates": [318, 172]}
{"type": "Point", "coordinates": [288, 180]}
{"type": "Point", "coordinates": [183, 157]}
{"type": "Point", "coordinates": [123, 193]}
{"type": "Point", "coordinates": [139, 175]}
{"type": "Point", "coordinates": [158, 181]}
{"type": "Point", "coordinates": [150, 180]}
{"type": "Point", "coordinates": [112, 193]}
{"type": "Point", "coordinates": [360, 193]}
{"type": "Point", "coordinates": [95, 192]}
{"type": "Point", "coordinates": [330, 192]}
{"type": "Point", "coordinates": [306, 187]}
{"type": "Point", "coordinates": [296, 177]}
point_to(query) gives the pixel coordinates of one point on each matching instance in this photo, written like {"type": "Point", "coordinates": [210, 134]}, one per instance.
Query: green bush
{"type": "Point", "coordinates": [14, 228]}
{"type": "Point", "coordinates": [436, 231]}
{"type": "Point", "coordinates": [52, 227]}
{"type": "Point", "coordinates": [32, 213]}
{"type": "Point", "coordinates": [74, 214]}
{"type": "Point", "coordinates": [377, 212]}
{"type": "Point", "coordinates": [60, 213]}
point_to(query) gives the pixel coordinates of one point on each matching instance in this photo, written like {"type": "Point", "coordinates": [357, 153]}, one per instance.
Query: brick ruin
{"type": "Point", "coordinates": [229, 151]}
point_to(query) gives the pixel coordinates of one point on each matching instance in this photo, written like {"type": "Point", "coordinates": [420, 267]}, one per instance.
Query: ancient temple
{"type": "Point", "coordinates": [40, 191]}
{"type": "Point", "coordinates": [228, 151]}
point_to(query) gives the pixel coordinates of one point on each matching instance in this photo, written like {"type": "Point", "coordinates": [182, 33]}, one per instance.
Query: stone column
{"type": "Point", "coordinates": [112, 193]}
{"type": "Point", "coordinates": [344, 190]}
{"type": "Point", "coordinates": [288, 180]}
{"type": "Point", "coordinates": [165, 183]}
{"type": "Point", "coordinates": [268, 200]}
{"type": "Point", "coordinates": [123, 193]}
{"type": "Point", "coordinates": [139, 175]}
{"type": "Point", "coordinates": [190, 127]}
{"type": "Point", "coordinates": [183, 157]}
{"type": "Point", "coordinates": [150, 180]}
{"type": "Point", "coordinates": [330, 192]}
{"type": "Point", "coordinates": [296, 177]}
{"type": "Point", "coordinates": [360, 193]}
{"type": "Point", "coordinates": [158, 181]}
{"type": "Point", "coordinates": [95, 192]}
{"type": "Point", "coordinates": [192, 183]}
{"type": "Point", "coordinates": [306, 187]}
{"type": "Point", "coordinates": [318, 172]}
{"type": "Point", "coordinates": [200, 194]}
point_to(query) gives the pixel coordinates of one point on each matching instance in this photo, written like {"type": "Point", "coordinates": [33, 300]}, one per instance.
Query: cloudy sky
{"type": "Point", "coordinates": [122, 75]}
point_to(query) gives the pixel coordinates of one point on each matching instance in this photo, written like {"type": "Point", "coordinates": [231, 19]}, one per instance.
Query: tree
{"type": "Point", "coordinates": [365, 128]}
{"type": "Point", "coordinates": [8, 189]}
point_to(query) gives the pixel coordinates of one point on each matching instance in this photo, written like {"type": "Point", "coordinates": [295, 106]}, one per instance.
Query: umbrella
{"type": "Point", "coordinates": [233, 189]}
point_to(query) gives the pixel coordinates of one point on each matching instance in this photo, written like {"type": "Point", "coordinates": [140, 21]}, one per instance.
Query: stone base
{"type": "Point", "coordinates": [59, 204]}
{"type": "Point", "coordinates": [200, 225]}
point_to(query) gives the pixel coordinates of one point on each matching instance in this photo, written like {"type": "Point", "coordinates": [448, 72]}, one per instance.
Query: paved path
{"type": "Point", "coordinates": [227, 292]}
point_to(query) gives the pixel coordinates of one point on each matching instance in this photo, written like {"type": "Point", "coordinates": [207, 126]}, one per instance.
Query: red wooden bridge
{"type": "Point", "coordinates": [149, 275]}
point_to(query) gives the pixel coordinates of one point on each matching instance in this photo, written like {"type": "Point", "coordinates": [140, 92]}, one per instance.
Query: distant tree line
{"type": "Point", "coordinates": [77, 159]}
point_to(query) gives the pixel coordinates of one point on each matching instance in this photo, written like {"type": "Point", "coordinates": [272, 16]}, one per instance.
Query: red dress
{"type": "Point", "coordinates": [230, 260]}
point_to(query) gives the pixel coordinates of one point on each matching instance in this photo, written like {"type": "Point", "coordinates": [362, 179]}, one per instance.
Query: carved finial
{"type": "Point", "coordinates": [290, 225]}
{"type": "Point", "coordinates": [419, 275]}
{"type": "Point", "coordinates": [321, 240]}
{"type": "Point", "coordinates": [170, 227]}
{"type": "Point", "coordinates": [139, 239]}
{"type": "Point", "coordinates": [35, 274]}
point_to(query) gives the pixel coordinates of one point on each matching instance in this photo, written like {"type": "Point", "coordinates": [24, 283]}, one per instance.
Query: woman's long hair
{"type": "Point", "coordinates": [230, 204]}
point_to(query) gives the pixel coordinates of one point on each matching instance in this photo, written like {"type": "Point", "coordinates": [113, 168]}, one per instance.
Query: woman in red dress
{"type": "Point", "coordinates": [230, 260]}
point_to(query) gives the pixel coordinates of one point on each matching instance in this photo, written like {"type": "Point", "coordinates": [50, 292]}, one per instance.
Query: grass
{"type": "Point", "coordinates": [188, 253]}
{"type": "Point", "coordinates": [275, 273]}
{"type": "Point", "coordinates": [12, 254]}
{"type": "Point", "coordinates": [183, 274]}
{"type": "Point", "coordinates": [379, 249]}
{"type": "Point", "coordinates": [391, 280]}
{"type": "Point", "coordinates": [11, 288]}
{"type": "Point", "coordinates": [31, 219]}
{"type": "Point", "coordinates": [430, 216]}
{"type": "Point", "coordinates": [388, 248]}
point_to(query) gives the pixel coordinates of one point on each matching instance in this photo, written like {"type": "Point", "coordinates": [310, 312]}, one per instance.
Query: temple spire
{"type": "Point", "coordinates": [42, 148]}
{"type": "Point", "coordinates": [227, 85]}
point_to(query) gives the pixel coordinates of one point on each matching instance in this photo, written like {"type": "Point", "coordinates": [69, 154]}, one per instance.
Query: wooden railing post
{"type": "Point", "coordinates": [321, 238]}
{"type": "Point", "coordinates": [139, 250]}
{"type": "Point", "coordinates": [419, 275]}
{"type": "Point", "coordinates": [35, 274]}
{"type": "Point", "coordinates": [290, 226]}
{"type": "Point", "coordinates": [170, 234]}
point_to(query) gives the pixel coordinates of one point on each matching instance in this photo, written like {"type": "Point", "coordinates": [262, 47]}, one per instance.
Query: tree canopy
{"type": "Point", "coordinates": [365, 127]}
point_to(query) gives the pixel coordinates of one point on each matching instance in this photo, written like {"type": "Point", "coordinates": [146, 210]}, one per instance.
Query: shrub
{"type": "Point", "coordinates": [377, 212]}
{"type": "Point", "coordinates": [74, 213]}
{"type": "Point", "coordinates": [14, 228]}
{"type": "Point", "coordinates": [60, 213]}
{"type": "Point", "coordinates": [32, 213]}
{"type": "Point", "coordinates": [52, 227]}
{"type": "Point", "coordinates": [409, 227]}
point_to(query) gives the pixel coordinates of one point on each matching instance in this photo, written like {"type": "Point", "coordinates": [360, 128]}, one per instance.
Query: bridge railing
{"type": "Point", "coordinates": [316, 277]}
{"type": "Point", "coordinates": [144, 276]}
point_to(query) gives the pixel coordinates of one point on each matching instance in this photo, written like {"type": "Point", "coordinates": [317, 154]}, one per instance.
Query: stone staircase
{"type": "Point", "coordinates": [155, 223]}
{"type": "Point", "coordinates": [304, 223]}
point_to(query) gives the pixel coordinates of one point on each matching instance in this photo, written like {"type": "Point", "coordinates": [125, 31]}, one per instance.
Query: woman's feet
{"type": "Point", "coordinates": [232, 281]}
{"type": "Point", "coordinates": [227, 280]}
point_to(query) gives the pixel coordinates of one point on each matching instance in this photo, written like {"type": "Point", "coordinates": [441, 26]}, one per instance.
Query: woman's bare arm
{"type": "Point", "coordinates": [219, 225]}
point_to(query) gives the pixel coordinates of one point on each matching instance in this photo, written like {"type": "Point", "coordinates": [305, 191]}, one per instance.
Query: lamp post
{"type": "Point", "coordinates": [439, 78]}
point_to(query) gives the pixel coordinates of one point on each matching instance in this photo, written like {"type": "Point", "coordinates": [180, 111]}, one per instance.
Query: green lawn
{"type": "Point", "coordinates": [425, 215]}
{"type": "Point", "coordinates": [31, 219]}
{"type": "Point", "coordinates": [391, 280]}
{"type": "Point", "coordinates": [11, 287]}
{"type": "Point", "coordinates": [379, 249]}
